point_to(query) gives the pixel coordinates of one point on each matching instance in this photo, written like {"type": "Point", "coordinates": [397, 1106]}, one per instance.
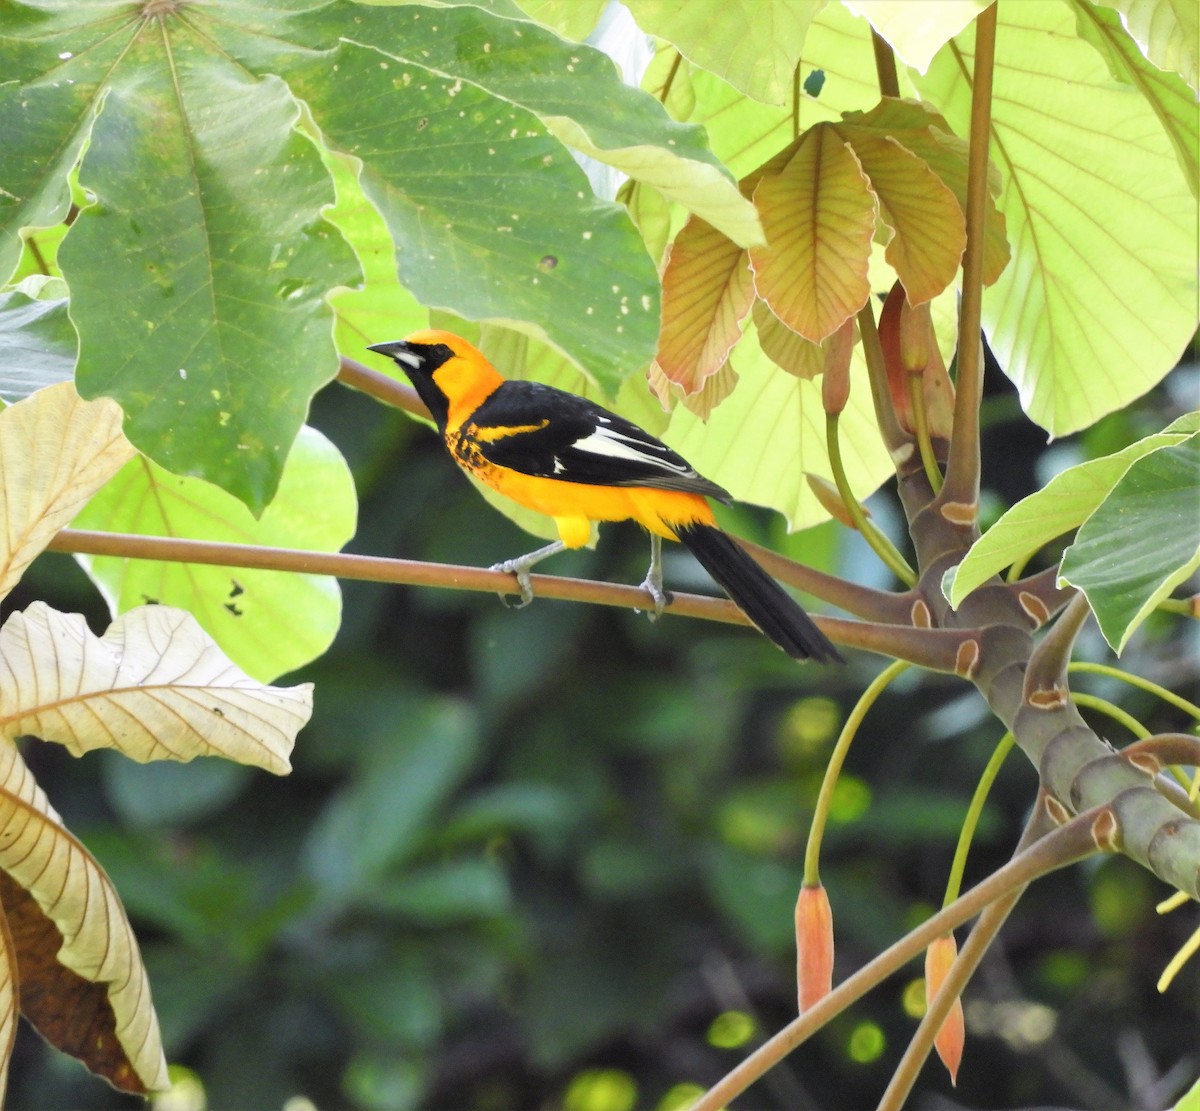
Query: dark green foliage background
{"type": "Point", "coordinates": [519, 845]}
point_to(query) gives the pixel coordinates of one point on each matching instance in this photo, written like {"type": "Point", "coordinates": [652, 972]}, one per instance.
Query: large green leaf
{"type": "Point", "coordinates": [211, 229]}
{"type": "Point", "coordinates": [1064, 503]}
{"type": "Point", "coordinates": [1100, 297]}
{"type": "Point", "coordinates": [1167, 93]}
{"type": "Point", "coordinates": [457, 117]}
{"type": "Point", "coordinates": [267, 622]}
{"type": "Point", "coordinates": [49, 91]}
{"type": "Point", "coordinates": [752, 44]}
{"type": "Point", "coordinates": [1168, 32]}
{"type": "Point", "coordinates": [916, 29]}
{"type": "Point", "coordinates": [491, 218]}
{"type": "Point", "coordinates": [1141, 542]}
{"type": "Point", "coordinates": [574, 89]}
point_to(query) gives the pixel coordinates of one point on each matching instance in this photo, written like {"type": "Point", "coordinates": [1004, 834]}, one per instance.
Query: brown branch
{"type": "Point", "coordinates": [982, 935]}
{"type": "Point", "coordinates": [885, 65]}
{"type": "Point", "coordinates": [381, 387]}
{"type": "Point", "coordinates": [862, 601]}
{"type": "Point", "coordinates": [960, 494]}
{"type": "Point", "coordinates": [1046, 676]}
{"type": "Point", "coordinates": [1062, 846]}
{"type": "Point", "coordinates": [1040, 596]}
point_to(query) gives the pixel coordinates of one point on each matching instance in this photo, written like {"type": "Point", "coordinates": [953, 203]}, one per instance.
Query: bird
{"type": "Point", "coordinates": [566, 457]}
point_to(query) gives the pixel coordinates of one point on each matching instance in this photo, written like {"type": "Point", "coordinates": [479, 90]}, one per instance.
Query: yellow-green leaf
{"type": "Point", "coordinates": [707, 291]}
{"type": "Point", "coordinates": [56, 450]}
{"type": "Point", "coordinates": [155, 687]}
{"type": "Point", "coordinates": [267, 622]}
{"type": "Point", "coordinates": [819, 216]}
{"type": "Point", "coordinates": [928, 231]}
{"type": "Point", "coordinates": [752, 44]}
{"type": "Point", "coordinates": [917, 29]}
{"type": "Point", "coordinates": [1100, 299]}
{"type": "Point", "coordinates": [1169, 95]}
{"type": "Point", "coordinates": [1168, 31]}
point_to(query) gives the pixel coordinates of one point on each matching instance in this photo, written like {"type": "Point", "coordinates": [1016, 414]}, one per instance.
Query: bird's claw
{"type": "Point", "coordinates": [518, 569]}
{"type": "Point", "coordinates": [661, 598]}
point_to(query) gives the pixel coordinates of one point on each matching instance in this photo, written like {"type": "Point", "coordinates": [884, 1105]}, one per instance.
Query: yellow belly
{"type": "Point", "coordinates": [574, 505]}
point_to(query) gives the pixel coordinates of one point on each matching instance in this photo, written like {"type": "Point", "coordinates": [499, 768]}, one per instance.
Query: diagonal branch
{"type": "Point", "coordinates": [1065, 845]}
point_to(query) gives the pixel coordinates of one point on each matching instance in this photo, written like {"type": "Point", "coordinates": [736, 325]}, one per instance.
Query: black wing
{"type": "Point", "coordinates": [541, 431]}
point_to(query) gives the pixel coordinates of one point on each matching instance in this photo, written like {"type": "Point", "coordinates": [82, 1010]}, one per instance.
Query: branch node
{"type": "Point", "coordinates": [1106, 831]}
{"type": "Point", "coordinates": [962, 513]}
{"type": "Point", "coordinates": [1058, 813]}
{"type": "Point", "coordinates": [1049, 698]}
{"type": "Point", "coordinates": [1037, 610]}
{"type": "Point", "coordinates": [966, 659]}
{"type": "Point", "coordinates": [1145, 762]}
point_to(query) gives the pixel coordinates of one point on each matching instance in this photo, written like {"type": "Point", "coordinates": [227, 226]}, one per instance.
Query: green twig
{"type": "Point", "coordinates": [1178, 701]}
{"type": "Point", "coordinates": [967, 833]}
{"type": "Point", "coordinates": [879, 543]}
{"type": "Point", "coordinates": [812, 854]}
{"type": "Point", "coordinates": [916, 396]}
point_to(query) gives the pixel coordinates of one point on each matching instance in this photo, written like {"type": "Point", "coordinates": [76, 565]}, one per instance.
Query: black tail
{"type": "Point", "coordinates": [758, 595]}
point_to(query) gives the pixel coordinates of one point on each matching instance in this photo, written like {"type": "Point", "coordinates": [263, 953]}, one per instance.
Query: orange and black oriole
{"type": "Point", "coordinates": [574, 461]}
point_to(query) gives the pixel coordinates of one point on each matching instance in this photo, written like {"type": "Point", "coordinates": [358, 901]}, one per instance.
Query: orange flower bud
{"type": "Point", "coordinates": [814, 946]}
{"type": "Point", "coordinates": [949, 1041]}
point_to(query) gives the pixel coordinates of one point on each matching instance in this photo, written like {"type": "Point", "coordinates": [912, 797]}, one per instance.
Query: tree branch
{"type": "Point", "coordinates": [1065, 845]}
{"type": "Point", "coordinates": [959, 497]}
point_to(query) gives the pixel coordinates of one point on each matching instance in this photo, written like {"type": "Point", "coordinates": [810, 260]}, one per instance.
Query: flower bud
{"type": "Point", "coordinates": [949, 1041]}
{"type": "Point", "coordinates": [814, 946]}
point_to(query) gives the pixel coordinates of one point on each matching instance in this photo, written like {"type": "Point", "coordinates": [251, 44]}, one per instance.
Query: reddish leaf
{"type": "Point", "coordinates": [928, 229]}
{"type": "Point", "coordinates": [707, 293]}
{"type": "Point", "coordinates": [926, 134]}
{"type": "Point", "coordinates": [819, 216]}
{"type": "Point", "coordinates": [785, 348]}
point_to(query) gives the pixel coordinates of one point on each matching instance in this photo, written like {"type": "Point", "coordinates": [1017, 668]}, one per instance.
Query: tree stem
{"type": "Point", "coordinates": [962, 469]}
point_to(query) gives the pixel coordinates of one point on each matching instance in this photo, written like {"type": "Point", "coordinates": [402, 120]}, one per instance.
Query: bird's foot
{"type": "Point", "coordinates": [660, 598]}
{"type": "Point", "coordinates": [520, 569]}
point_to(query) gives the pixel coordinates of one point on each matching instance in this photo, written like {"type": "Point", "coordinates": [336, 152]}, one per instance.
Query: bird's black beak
{"type": "Point", "coordinates": [400, 351]}
{"type": "Point", "coordinates": [390, 349]}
